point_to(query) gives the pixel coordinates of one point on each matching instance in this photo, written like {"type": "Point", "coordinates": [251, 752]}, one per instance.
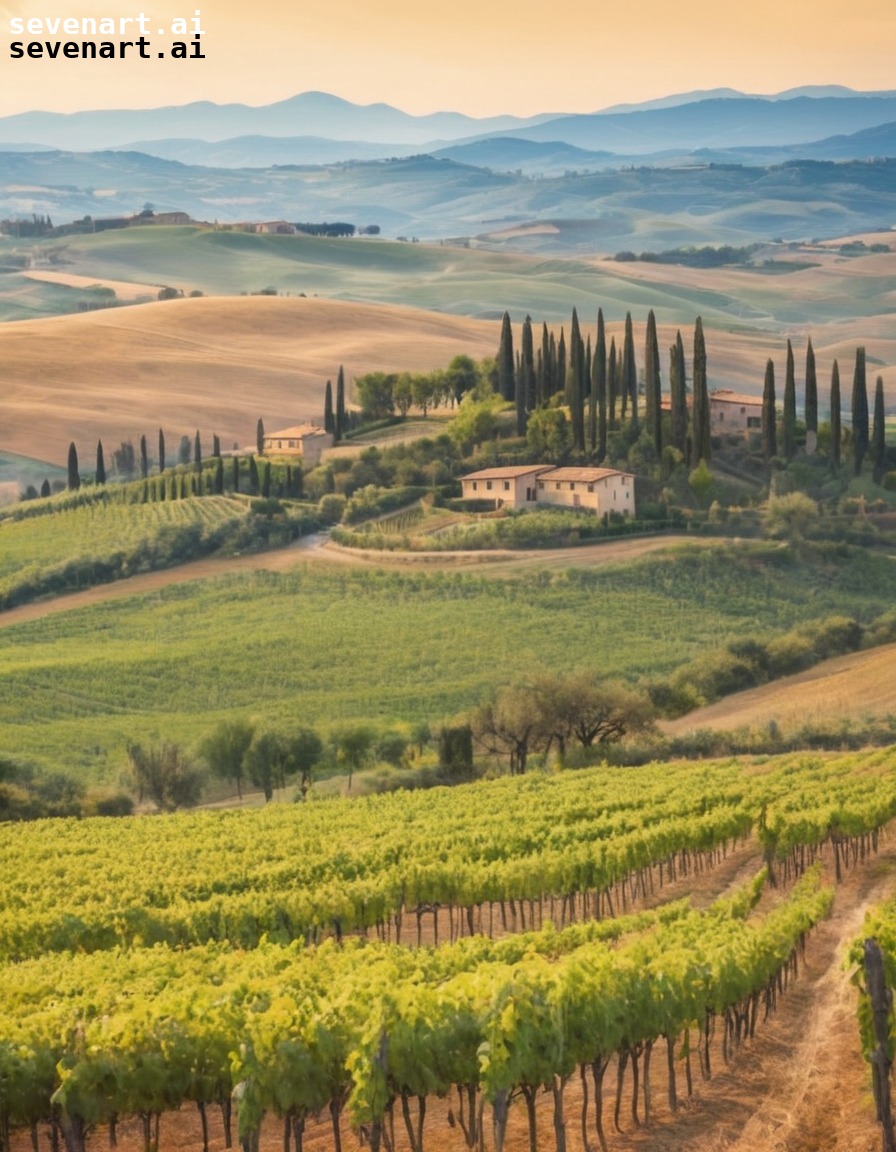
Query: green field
{"type": "Point", "coordinates": [323, 647]}
{"type": "Point", "coordinates": [443, 277]}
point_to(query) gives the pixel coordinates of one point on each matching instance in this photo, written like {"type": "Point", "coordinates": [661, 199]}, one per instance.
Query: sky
{"type": "Point", "coordinates": [469, 56]}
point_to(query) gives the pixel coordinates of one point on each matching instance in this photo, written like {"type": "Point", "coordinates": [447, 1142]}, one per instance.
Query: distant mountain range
{"type": "Point", "coordinates": [694, 168]}
{"type": "Point", "coordinates": [720, 119]}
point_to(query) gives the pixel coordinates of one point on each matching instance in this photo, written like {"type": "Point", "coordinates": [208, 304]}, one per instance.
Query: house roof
{"type": "Point", "coordinates": [584, 475]}
{"type": "Point", "coordinates": [727, 396]}
{"type": "Point", "coordinates": [507, 472]}
{"type": "Point", "coordinates": [297, 432]}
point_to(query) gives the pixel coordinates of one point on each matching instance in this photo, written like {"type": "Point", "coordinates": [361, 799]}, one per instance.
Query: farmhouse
{"type": "Point", "coordinates": [601, 490]}
{"type": "Point", "coordinates": [305, 440]}
{"type": "Point", "coordinates": [733, 412]}
{"type": "Point", "coordinates": [509, 487]}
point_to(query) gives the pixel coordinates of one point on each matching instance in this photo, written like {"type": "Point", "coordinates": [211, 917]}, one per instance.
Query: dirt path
{"type": "Point", "coordinates": [317, 549]}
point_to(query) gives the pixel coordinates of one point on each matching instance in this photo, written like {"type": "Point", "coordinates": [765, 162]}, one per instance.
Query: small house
{"type": "Point", "coordinates": [510, 486]}
{"type": "Point", "coordinates": [305, 440]}
{"type": "Point", "coordinates": [733, 412]}
{"type": "Point", "coordinates": [601, 490]}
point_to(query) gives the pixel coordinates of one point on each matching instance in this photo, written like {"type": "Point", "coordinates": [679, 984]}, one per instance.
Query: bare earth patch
{"type": "Point", "coordinates": [123, 289]}
{"type": "Point", "coordinates": [851, 686]}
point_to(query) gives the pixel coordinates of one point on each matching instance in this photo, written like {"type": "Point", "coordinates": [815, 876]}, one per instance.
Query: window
{"type": "Point", "coordinates": [506, 485]}
{"type": "Point", "coordinates": [557, 485]}
{"type": "Point", "coordinates": [754, 422]}
{"type": "Point", "coordinates": [590, 487]}
{"type": "Point", "coordinates": [572, 486]}
{"type": "Point", "coordinates": [488, 485]}
{"type": "Point", "coordinates": [475, 485]}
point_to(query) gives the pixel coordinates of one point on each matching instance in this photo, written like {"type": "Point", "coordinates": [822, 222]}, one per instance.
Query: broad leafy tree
{"type": "Point", "coordinates": [224, 750]}
{"type": "Point", "coordinates": [166, 775]}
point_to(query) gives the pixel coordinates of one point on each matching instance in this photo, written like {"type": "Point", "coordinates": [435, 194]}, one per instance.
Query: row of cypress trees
{"type": "Point", "coordinates": [601, 387]}
{"type": "Point", "coordinates": [865, 436]}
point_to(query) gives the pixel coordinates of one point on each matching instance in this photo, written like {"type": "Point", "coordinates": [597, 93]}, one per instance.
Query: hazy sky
{"type": "Point", "coordinates": [468, 55]}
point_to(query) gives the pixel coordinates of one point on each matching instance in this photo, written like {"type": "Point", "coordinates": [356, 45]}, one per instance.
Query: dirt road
{"type": "Point", "coordinates": [318, 549]}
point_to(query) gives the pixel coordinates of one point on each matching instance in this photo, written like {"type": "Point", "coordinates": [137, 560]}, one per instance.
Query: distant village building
{"type": "Point", "coordinates": [601, 490]}
{"type": "Point", "coordinates": [306, 440]}
{"type": "Point", "coordinates": [275, 228]}
{"type": "Point", "coordinates": [733, 412]}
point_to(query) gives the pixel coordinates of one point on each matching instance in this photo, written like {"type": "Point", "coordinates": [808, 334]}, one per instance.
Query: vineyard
{"type": "Point", "coordinates": [383, 962]}
{"type": "Point", "coordinates": [328, 646]}
{"type": "Point", "coordinates": [75, 543]}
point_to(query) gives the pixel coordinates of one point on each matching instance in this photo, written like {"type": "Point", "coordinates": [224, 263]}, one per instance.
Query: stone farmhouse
{"type": "Point", "coordinates": [306, 440]}
{"type": "Point", "coordinates": [733, 412]}
{"type": "Point", "coordinates": [601, 490]}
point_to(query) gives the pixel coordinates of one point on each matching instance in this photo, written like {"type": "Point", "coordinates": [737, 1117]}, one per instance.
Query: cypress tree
{"type": "Point", "coordinates": [219, 477]}
{"type": "Point", "coordinates": [836, 422]}
{"type": "Point", "coordinates": [653, 385]}
{"type": "Point", "coordinates": [560, 378]}
{"type": "Point", "coordinates": [678, 396]}
{"type": "Point", "coordinates": [702, 448]}
{"type": "Point", "coordinates": [329, 419]}
{"type": "Point", "coordinates": [879, 435]}
{"type": "Point", "coordinates": [144, 458]}
{"type": "Point", "coordinates": [612, 384]}
{"type": "Point", "coordinates": [74, 477]}
{"type": "Point", "coordinates": [253, 476]}
{"type": "Point", "coordinates": [859, 412]}
{"type": "Point", "coordinates": [591, 394]}
{"type": "Point", "coordinates": [236, 474]}
{"type": "Point", "coordinates": [525, 391]}
{"type": "Point", "coordinates": [266, 480]}
{"type": "Point", "coordinates": [550, 371]}
{"type": "Point", "coordinates": [45, 489]}
{"type": "Point", "coordinates": [100, 463]}
{"type": "Point", "coordinates": [769, 416]}
{"type": "Point", "coordinates": [340, 423]}
{"type": "Point", "coordinates": [788, 426]}
{"type": "Point", "coordinates": [506, 384]}
{"type": "Point", "coordinates": [599, 384]}
{"type": "Point", "coordinates": [576, 385]}
{"type": "Point", "coordinates": [259, 437]}
{"type": "Point", "coordinates": [161, 451]}
{"type": "Point", "coordinates": [630, 373]}
{"type": "Point", "coordinates": [543, 375]}
{"type": "Point", "coordinates": [216, 445]}
{"type": "Point", "coordinates": [197, 452]}
{"type": "Point", "coordinates": [811, 400]}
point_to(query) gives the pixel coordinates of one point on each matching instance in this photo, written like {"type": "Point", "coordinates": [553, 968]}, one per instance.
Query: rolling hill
{"type": "Point", "coordinates": [211, 364]}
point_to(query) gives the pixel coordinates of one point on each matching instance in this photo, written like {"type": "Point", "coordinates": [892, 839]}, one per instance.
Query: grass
{"type": "Point", "coordinates": [328, 647]}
